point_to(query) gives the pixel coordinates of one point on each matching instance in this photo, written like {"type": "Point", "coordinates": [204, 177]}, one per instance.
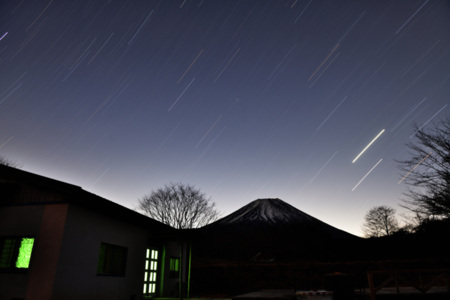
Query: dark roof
{"type": "Point", "coordinates": [72, 194]}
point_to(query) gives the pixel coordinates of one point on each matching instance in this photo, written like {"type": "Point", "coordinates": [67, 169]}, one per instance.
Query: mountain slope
{"type": "Point", "coordinates": [270, 211]}
{"type": "Point", "coordinates": [271, 214]}
{"type": "Point", "coordinates": [273, 228]}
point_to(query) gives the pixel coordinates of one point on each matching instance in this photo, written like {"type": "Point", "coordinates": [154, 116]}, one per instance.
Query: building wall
{"type": "Point", "coordinates": [68, 233]}
{"type": "Point", "coordinates": [45, 255]}
{"type": "Point", "coordinates": [18, 221]}
{"type": "Point", "coordinates": [66, 251]}
{"type": "Point", "coordinates": [46, 224]}
{"type": "Point", "coordinates": [77, 268]}
{"type": "Point", "coordinates": [21, 220]}
{"type": "Point", "coordinates": [172, 284]}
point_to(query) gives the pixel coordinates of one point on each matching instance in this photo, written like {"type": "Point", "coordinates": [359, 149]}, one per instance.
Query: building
{"type": "Point", "coordinates": [58, 241]}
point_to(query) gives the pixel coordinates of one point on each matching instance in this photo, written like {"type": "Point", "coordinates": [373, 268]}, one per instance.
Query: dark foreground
{"type": "Point", "coordinates": [411, 279]}
{"type": "Point", "coordinates": [404, 293]}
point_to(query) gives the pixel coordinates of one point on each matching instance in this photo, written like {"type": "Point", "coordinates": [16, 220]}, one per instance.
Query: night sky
{"type": "Point", "coordinates": [243, 99]}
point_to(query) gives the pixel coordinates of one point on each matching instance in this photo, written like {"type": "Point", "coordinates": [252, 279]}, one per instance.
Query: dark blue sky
{"type": "Point", "coordinates": [243, 99]}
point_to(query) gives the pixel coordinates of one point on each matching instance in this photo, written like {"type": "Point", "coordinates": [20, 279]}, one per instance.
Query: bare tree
{"type": "Point", "coordinates": [427, 172]}
{"type": "Point", "coordinates": [180, 206]}
{"type": "Point", "coordinates": [7, 162]}
{"type": "Point", "coordinates": [380, 221]}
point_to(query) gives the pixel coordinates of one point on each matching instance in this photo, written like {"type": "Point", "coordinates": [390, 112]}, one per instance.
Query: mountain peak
{"type": "Point", "coordinates": [271, 211]}
{"type": "Point", "coordinates": [265, 224]}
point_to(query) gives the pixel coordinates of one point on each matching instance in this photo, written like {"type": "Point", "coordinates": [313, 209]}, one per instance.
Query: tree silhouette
{"type": "Point", "coordinates": [427, 172]}
{"type": "Point", "coordinates": [7, 162]}
{"type": "Point", "coordinates": [180, 206]}
{"type": "Point", "coordinates": [380, 221]}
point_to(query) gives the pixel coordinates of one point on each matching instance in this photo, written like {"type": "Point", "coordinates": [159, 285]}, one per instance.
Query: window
{"type": "Point", "coordinates": [15, 252]}
{"type": "Point", "coordinates": [112, 260]}
{"type": "Point", "coordinates": [174, 267]}
{"type": "Point", "coordinates": [151, 272]}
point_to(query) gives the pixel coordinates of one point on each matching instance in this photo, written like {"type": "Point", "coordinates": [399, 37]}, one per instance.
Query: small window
{"type": "Point", "coordinates": [112, 260]}
{"type": "Point", "coordinates": [174, 267]}
{"type": "Point", "coordinates": [15, 252]}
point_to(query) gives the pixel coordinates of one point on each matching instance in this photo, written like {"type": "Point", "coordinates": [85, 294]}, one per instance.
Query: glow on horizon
{"type": "Point", "coordinates": [364, 150]}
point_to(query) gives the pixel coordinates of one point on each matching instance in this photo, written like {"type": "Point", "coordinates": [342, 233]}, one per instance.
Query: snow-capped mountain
{"type": "Point", "coordinates": [272, 228]}
{"type": "Point", "coordinates": [273, 211]}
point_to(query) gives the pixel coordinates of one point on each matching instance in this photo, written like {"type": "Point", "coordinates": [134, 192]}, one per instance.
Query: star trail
{"type": "Point", "coordinates": [243, 99]}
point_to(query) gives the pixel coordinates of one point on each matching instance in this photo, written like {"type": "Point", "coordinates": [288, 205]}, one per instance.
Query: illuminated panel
{"type": "Point", "coordinates": [15, 252]}
{"type": "Point", "coordinates": [150, 272]}
{"type": "Point", "coordinates": [24, 256]}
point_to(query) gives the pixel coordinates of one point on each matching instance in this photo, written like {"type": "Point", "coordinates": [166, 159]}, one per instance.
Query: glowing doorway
{"type": "Point", "coordinates": [151, 272]}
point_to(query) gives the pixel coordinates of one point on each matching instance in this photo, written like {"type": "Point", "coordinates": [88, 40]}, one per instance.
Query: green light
{"type": "Point", "coordinates": [174, 264]}
{"type": "Point", "coordinates": [150, 273]}
{"type": "Point", "coordinates": [189, 271]}
{"type": "Point", "coordinates": [23, 259]}
{"type": "Point", "coordinates": [161, 282]}
{"type": "Point", "coordinates": [7, 253]}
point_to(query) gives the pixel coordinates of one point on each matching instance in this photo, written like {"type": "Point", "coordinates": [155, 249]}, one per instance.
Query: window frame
{"type": "Point", "coordinates": [107, 256]}
{"type": "Point", "coordinates": [174, 267]}
{"type": "Point", "coordinates": [18, 253]}
{"type": "Point", "coordinates": [152, 272]}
